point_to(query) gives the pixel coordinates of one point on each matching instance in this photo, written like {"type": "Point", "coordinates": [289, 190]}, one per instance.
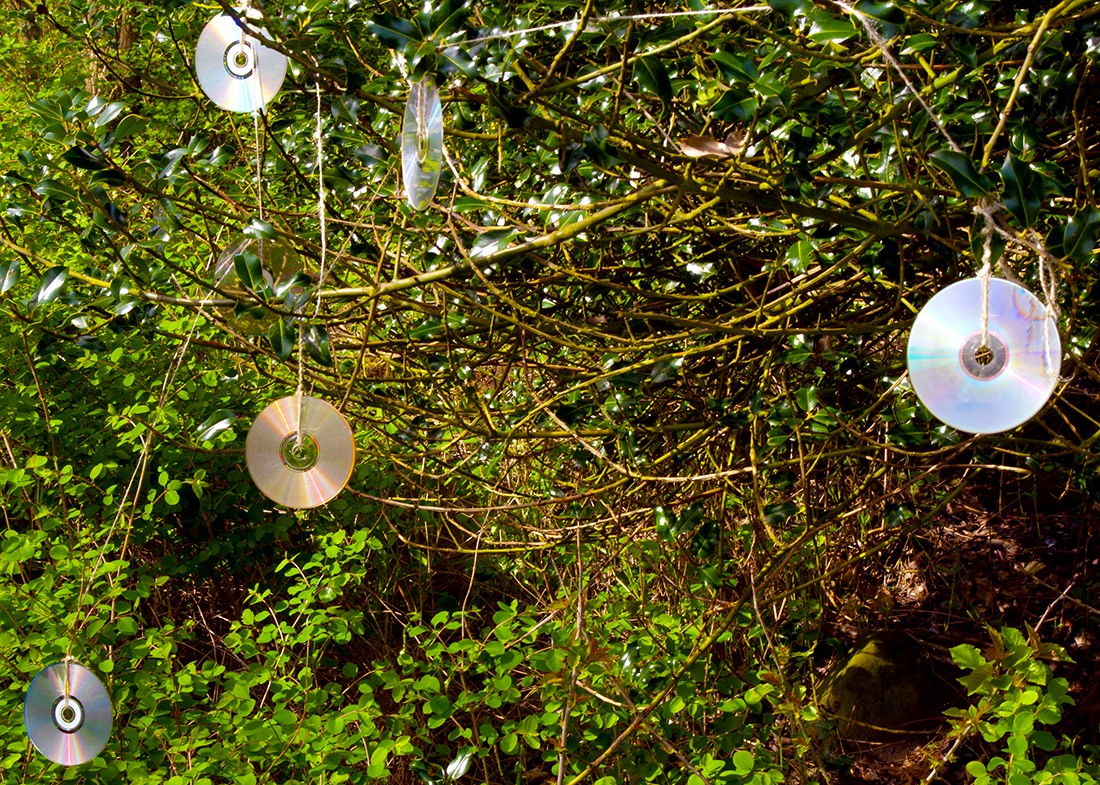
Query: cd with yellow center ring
{"type": "Point", "coordinates": [984, 389]}
{"type": "Point", "coordinates": [234, 69]}
{"type": "Point", "coordinates": [67, 713]}
{"type": "Point", "coordinates": [422, 143]}
{"type": "Point", "coordinates": [303, 477]}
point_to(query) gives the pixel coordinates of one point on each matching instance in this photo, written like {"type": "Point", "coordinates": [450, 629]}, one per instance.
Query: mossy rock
{"type": "Point", "coordinates": [891, 687]}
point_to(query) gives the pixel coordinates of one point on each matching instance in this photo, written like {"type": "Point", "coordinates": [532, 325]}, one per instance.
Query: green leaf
{"type": "Point", "coordinates": [52, 281]}
{"type": "Point", "coordinates": [491, 242]}
{"type": "Point", "coordinates": [317, 344]}
{"type": "Point", "coordinates": [9, 275]}
{"type": "Point", "coordinates": [1021, 190]}
{"type": "Point", "coordinates": [1077, 238]}
{"type": "Point", "coordinates": [743, 762]}
{"type": "Point", "coordinates": [800, 255]}
{"type": "Point", "coordinates": [448, 17]}
{"type": "Point", "coordinates": [250, 271]}
{"type": "Point", "coordinates": [791, 7]}
{"type": "Point", "coordinates": [217, 422]}
{"type": "Point", "coordinates": [967, 656]}
{"type": "Point", "coordinates": [82, 158]}
{"type": "Point", "coordinates": [460, 765]}
{"type": "Point", "coordinates": [52, 189]}
{"type": "Point", "coordinates": [652, 76]}
{"type": "Point", "coordinates": [282, 337]}
{"type": "Point", "coordinates": [735, 69]}
{"type": "Point", "coordinates": [260, 230]}
{"type": "Point", "coordinates": [109, 113]}
{"type": "Point", "coordinates": [392, 31]}
{"type": "Point", "coordinates": [963, 174]}
{"type": "Point", "coordinates": [826, 28]}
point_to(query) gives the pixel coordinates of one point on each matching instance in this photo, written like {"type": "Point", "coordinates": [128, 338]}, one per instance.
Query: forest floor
{"type": "Point", "coordinates": [1037, 566]}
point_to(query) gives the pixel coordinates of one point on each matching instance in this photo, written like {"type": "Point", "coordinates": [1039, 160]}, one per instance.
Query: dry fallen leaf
{"type": "Point", "coordinates": [695, 146]}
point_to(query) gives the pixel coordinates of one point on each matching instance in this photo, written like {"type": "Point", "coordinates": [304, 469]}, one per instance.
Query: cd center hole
{"type": "Point", "coordinates": [240, 60]}
{"type": "Point", "coordinates": [983, 355]}
{"type": "Point", "coordinates": [68, 713]}
{"type": "Point", "coordinates": [300, 458]}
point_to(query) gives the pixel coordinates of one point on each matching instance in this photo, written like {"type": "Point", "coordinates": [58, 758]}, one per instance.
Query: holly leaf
{"type": "Point", "coordinates": [392, 31]}
{"type": "Point", "coordinates": [968, 182]}
{"type": "Point", "coordinates": [1077, 238]}
{"type": "Point", "coordinates": [1021, 190]}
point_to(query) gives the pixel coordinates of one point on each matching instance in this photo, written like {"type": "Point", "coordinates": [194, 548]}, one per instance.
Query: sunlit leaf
{"type": "Point", "coordinates": [963, 174]}
{"type": "Point", "coordinates": [1021, 190]}
{"type": "Point", "coordinates": [50, 287]}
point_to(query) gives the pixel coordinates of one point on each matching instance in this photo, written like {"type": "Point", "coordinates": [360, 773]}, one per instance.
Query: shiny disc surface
{"type": "Point", "coordinates": [70, 726]}
{"type": "Point", "coordinates": [422, 144]}
{"type": "Point", "coordinates": [279, 262]}
{"type": "Point", "coordinates": [990, 390]}
{"type": "Point", "coordinates": [235, 70]}
{"type": "Point", "coordinates": [309, 477]}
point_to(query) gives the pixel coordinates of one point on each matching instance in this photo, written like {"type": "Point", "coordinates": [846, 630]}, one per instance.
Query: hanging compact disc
{"type": "Point", "coordinates": [984, 389]}
{"type": "Point", "coordinates": [234, 69]}
{"type": "Point", "coordinates": [422, 143]}
{"type": "Point", "coordinates": [67, 713]}
{"type": "Point", "coordinates": [305, 477]}
{"type": "Point", "coordinates": [279, 262]}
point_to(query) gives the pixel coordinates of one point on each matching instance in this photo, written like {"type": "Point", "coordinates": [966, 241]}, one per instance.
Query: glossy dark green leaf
{"type": "Point", "coordinates": [964, 175]}
{"type": "Point", "coordinates": [780, 512]}
{"type": "Point", "coordinates": [734, 68]}
{"type": "Point", "coordinates": [828, 29]}
{"type": "Point", "coordinates": [82, 158]}
{"type": "Point", "coordinates": [109, 113]}
{"type": "Point", "coordinates": [50, 287]}
{"type": "Point", "coordinates": [1021, 190]}
{"type": "Point", "coordinates": [250, 272]}
{"type": "Point", "coordinates": [665, 523]}
{"type": "Point", "coordinates": [9, 275]}
{"type": "Point", "coordinates": [217, 422]}
{"type": "Point", "coordinates": [317, 344]}
{"type": "Point", "coordinates": [791, 7]}
{"type": "Point", "coordinates": [448, 16]}
{"type": "Point", "coordinates": [260, 230]}
{"type": "Point", "coordinates": [392, 31]}
{"type": "Point", "coordinates": [53, 189]}
{"type": "Point", "coordinates": [491, 242]}
{"type": "Point", "coordinates": [282, 337]}
{"type": "Point", "coordinates": [1077, 237]}
{"type": "Point", "coordinates": [652, 76]}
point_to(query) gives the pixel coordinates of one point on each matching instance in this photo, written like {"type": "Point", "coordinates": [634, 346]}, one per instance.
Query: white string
{"type": "Point", "coordinates": [986, 272]}
{"type": "Point", "coordinates": [259, 165]}
{"type": "Point", "coordinates": [319, 138]}
{"type": "Point", "coordinates": [752, 9]}
{"type": "Point", "coordinates": [1049, 284]}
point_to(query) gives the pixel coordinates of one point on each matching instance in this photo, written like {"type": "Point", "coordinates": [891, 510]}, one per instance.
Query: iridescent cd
{"type": "Point", "coordinates": [234, 69]}
{"type": "Point", "coordinates": [422, 143]}
{"type": "Point", "coordinates": [300, 477]}
{"type": "Point", "coordinates": [279, 262]}
{"type": "Point", "coordinates": [67, 713]}
{"type": "Point", "coordinates": [991, 388]}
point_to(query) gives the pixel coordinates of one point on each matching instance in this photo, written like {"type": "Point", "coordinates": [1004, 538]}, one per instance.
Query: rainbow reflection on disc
{"type": "Point", "coordinates": [69, 726]}
{"type": "Point", "coordinates": [303, 478]}
{"type": "Point", "coordinates": [984, 390]}
{"type": "Point", "coordinates": [234, 69]}
{"type": "Point", "coordinates": [422, 143]}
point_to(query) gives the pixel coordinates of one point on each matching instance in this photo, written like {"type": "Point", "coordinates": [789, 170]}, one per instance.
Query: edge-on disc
{"type": "Point", "coordinates": [422, 143]}
{"type": "Point", "coordinates": [316, 474]}
{"type": "Point", "coordinates": [994, 390]}
{"type": "Point", "coordinates": [278, 261]}
{"type": "Point", "coordinates": [235, 70]}
{"type": "Point", "coordinates": [71, 726]}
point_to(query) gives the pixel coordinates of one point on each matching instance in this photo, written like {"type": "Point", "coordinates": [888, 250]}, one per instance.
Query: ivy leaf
{"type": "Point", "coordinates": [653, 77]}
{"type": "Point", "coordinates": [282, 337]}
{"type": "Point", "coordinates": [392, 31]}
{"type": "Point", "coordinates": [317, 344]}
{"type": "Point", "coordinates": [966, 178]}
{"type": "Point", "coordinates": [1077, 238]}
{"type": "Point", "coordinates": [1021, 190]}
{"type": "Point", "coordinates": [52, 281]}
{"type": "Point", "coordinates": [9, 275]}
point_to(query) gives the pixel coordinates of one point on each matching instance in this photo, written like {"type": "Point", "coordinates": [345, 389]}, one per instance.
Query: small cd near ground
{"type": "Point", "coordinates": [67, 713]}
{"type": "Point", "coordinates": [302, 476]}
{"type": "Point", "coordinates": [422, 143]}
{"type": "Point", "coordinates": [234, 69]}
{"type": "Point", "coordinates": [984, 388]}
